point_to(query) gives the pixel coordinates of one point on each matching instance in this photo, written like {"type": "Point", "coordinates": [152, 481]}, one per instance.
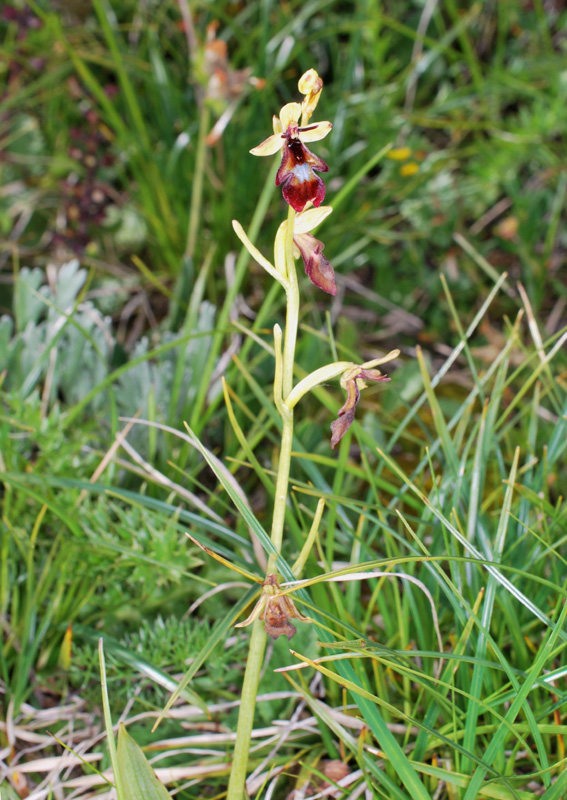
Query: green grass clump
{"type": "Point", "coordinates": [125, 298]}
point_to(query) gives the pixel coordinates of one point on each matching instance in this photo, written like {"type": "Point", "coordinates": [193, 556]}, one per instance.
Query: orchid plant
{"type": "Point", "coordinates": [304, 191]}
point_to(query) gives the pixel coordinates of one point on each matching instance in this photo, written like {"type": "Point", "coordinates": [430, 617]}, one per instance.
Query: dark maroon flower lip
{"type": "Point", "coordinates": [296, 175]}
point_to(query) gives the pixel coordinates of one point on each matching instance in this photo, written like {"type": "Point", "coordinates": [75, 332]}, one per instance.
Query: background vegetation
{"type": "Point", "coordinates": [124, 294]}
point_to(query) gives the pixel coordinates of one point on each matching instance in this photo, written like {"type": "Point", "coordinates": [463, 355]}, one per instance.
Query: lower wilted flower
{"type": "Point", "coordinates": [353, 381]}
{"type": "Point", "coordinates": [276, 610]}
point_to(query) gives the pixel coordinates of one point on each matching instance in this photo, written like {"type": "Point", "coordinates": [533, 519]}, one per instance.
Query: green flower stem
{"type": "Point", "coordinates": [290, 338]}
{"type": "Point", "coordinates": [237, 779]}
{"type": "Point", "coordinates": [281, 486]}
{"type": "Point", "coordinates": [283, 384]}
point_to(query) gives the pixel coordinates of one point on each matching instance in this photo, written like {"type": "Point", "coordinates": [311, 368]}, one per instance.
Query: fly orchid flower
{"type": "Point", "coordinates": [275, 609]}
{"type": "Point", "coordinates": [353, 380]}
{"type": "Point", "coordinates": [296, 175]}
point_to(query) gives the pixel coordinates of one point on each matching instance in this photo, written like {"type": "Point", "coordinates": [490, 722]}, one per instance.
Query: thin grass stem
{"type": "Point", "coordinates": [198, 182]}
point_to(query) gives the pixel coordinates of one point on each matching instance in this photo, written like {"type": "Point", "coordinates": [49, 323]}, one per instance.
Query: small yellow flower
{"type": "Point", "coordinates": [399, 153]}
{"type": "Point", "coordinates": [407, 170]}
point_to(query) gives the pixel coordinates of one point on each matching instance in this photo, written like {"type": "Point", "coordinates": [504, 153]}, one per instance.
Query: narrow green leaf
{"type": "Point", "coordinates": [505, 582]}
{"type": "Point", "coordinates": [242, 507]}
{"type": "Point", "coordinates": [544, 654]}
{"type": "Point", "coordinates": [478, 676]}
{"type": "Point", "coordinates": [558, 790]}
{"type": "Point", "coordinates": [108, 722]}
{"type": "Point", "coordinates": [137, 777]}
{"type": "Point", "coordinates": [438, 418]}
{"type": "Point", "coordinates": [322, 711]}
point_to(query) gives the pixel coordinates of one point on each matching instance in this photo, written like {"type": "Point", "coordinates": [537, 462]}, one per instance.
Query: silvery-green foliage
{"type": "Point", "coordinates": [28, 294]}
{"type": "Point", "coordinates": [57, 340]}
{"type": "Point", "coordinates": [6, 332]}
{"type": "Point", "coordinates": [156, 379]}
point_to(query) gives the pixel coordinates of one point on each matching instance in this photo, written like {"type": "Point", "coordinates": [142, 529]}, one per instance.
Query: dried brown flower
{"type": "Point", "coordinates": [275, 609]}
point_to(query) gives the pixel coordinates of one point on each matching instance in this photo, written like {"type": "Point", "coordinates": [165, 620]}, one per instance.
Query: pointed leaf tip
{"type": "Point", "coordinates": [139, 780]}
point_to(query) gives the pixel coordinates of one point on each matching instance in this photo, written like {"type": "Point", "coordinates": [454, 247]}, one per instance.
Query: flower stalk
{"type": "Point", "coordinates": [304, 192]}
{"type": "Point", "coordinates": [256, 648]}
{"type": "Point", "coordinates": [286, 383]}
{"type": "Point", "coordinates": [283, 383]}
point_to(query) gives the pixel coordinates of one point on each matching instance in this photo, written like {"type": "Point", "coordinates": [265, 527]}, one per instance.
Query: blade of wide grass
{"type": "Point", "coordinates": [436, 691]}
{"type": "Point", "coordinates": [136, 774]}
{"type": "Point", "coordinates": [558, 789]}
{"type": "Point", "coordinates": [448, 776]}
{"type": "Point", "coordinates": [477, 481]}
{"type": "Point", "coordinates": [438, 417]}
{"type": "Point", "coordinates": [512, 674]}
{"type": "Point", "coordinates": [433, 710]}
{"type": "Point", "coordinates": [490, 598]}
{"type": "Point", "coordinates": [478, 676]}
{"type": "Point", "coordinates": [133, 776]}
{"type": "Point", "coordinates": [111, 744]}
{"type": "Point", "coordinates": [399, 761]}
{"type": "Point", "coordinates": [356, 689]}
{"type": "Point", "coordinates": [367, 648]}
